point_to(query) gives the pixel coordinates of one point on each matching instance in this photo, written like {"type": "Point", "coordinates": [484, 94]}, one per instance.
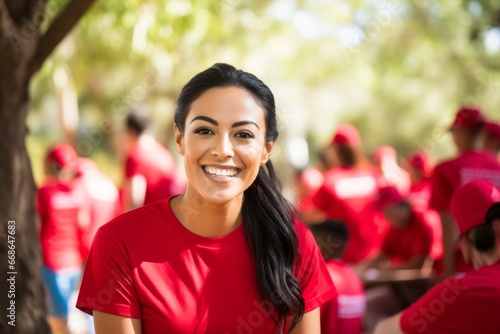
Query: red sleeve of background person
{"type": "Point", "coordinates": [344, 314]}
{"type": "Point", "coordinates": [401, 245]}
{"type": "Point", "coordinates": [146, 265]}
{"type": "Point", "coordinates": [59, 231]}
{"type": "Point", "coordinates": [457, 305]}
{"type": "Point", "coordinates": [348, 195]}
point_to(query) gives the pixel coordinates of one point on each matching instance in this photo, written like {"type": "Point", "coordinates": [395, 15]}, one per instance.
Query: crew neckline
{"type": "Point", "coordinates": [225, 240]}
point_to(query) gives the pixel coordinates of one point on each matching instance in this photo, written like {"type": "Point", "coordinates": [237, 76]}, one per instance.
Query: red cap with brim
{"type": "Point", "coordinates": [346, 135]}
{"type": "Point", "coordinates": [386, 197]}
{"type": "Point", "coordinates": [468, 117]}
{"type": "Point", "coordinates": [471, 202]}
{"type": "Point", "coordinates": [64, 155]}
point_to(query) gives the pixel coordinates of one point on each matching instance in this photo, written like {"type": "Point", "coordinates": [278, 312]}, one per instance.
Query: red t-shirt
{"type": "Point", "coordinates": [401, 245]}
{"type": "Point", "coordinates": [458, 305]}
{"type": "Point", "coordinates": [344, 314]}
{"type": "Point", "coordinates": [59, 206]}
{"type": "Point", "coordinates": [451, 174]}
{"type": "Point", "coordinates": [157, 165]}
{"type": "Point", "coordinates": [146, 265]}
{"type": "Point", "coordinates": [103, 204]}
{"type": "Point", "coordinates": [348, 195]}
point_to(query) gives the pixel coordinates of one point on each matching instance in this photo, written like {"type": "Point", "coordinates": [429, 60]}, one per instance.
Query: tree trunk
{"type": "Point", "coordinates": [24, 292]}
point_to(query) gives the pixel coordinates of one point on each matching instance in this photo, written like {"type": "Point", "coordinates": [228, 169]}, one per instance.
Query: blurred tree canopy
{"type": "Point", "coordinates": [396, 69]}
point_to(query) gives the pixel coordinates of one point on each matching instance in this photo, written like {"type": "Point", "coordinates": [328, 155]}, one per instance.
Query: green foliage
{"type": "Point", "coordinates": [397, 69]}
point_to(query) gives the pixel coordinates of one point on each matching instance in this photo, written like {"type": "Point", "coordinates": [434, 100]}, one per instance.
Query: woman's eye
{"type": "Point", "coordinates": [203, 131]}
{"type": "Point", "coordinates": [244, 135]}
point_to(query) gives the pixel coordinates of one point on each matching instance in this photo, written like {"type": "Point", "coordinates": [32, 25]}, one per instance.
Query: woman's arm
{"type": "Point", "coordinates": [310, 323]}
{"type": "Point", "coordinates": [389, 325]}
{"type": "Point", "coordinates": [105, 323]}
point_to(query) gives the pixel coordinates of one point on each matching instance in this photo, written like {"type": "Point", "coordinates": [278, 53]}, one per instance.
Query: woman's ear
{"type": "Point", "coordinates": [266, 154]}
{"type": "Point", "coordinates": [179, 139]}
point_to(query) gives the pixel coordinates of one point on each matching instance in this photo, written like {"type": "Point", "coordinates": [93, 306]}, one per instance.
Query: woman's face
{"type": "Point", "coordinates": [223, 144]}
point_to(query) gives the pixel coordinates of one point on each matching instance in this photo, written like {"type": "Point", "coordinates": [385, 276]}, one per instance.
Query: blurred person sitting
{"type": "Point", "coordinates": [150, 170]}
{"type": "Point", "coordinates": [347, 193]}
{"type": "Point", "coordinates": [470, 164]}
{"type": "Point", "coordinates": [343, 314]}
{"type": "Point", "coordinates": [62, 209]}
{"type": "Point", "coordinates": [491, 139]}
{"type": "Point", "coordinates": [386, 159]}
{"type": "Point", "coordinates": [408, 241]}
{"type": "Point", "coordinates": [466, 304]}
{"type": "Point", "coordinates": [407, 245]}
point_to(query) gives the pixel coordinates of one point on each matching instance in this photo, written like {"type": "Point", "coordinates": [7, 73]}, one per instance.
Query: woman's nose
{"type": "Point", "coordinates": [222, 147]}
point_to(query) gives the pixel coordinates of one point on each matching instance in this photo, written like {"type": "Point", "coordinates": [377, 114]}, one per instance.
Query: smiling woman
{"type": "Point", "coordinates": [227, 255]}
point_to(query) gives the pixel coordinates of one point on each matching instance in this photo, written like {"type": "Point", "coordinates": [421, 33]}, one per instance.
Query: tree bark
{"type": "Point", "coordinates": [24, 292]}
{"type": "Point", "coordinates": [21, 287]}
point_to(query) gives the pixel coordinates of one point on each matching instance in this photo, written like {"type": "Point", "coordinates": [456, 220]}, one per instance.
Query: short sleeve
{"type": "Point", "coordinates": [107, 284]}
{"type": "Point", "coordinates": [416, 318]}
{"type": "Point", "coordinates": [131, 167]}
{"type": "Point", "coordinates": [312, 273]}
{"type": "Point", "coordinates": [441, 190]}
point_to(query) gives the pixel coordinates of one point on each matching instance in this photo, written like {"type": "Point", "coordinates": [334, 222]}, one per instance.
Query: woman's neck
{"type": "Point", "coordinates": [207, 219]}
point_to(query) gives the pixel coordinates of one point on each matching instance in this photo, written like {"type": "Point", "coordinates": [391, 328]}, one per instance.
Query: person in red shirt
{"type": "Point", "coordinates": [467, 304]}
{"type": "Point", "coordinates": [347, 194]}
{"type": "Point", "coordinates": [343, 314]}
{"type": "Point", "coordinates": [225, 256]}
{"type": "Point", "coordinates": [306, 183]}
{"type": "Point", "coordinates": [61, 207]}
{"type": "Point", "coordinates": [447, 176]}
{"type": "Point", "coordinates": [407, 244]}
{"type": "Point", "coordinates": [150, 171]}
{"type": "Point", "coordinates": [491, 139]}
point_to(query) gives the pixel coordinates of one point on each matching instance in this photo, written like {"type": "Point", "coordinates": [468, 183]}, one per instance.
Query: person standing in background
{"type": "Point", "coordinates": [150, 170]}
{"type": "Point", "coordinates": [469, 165]}
{"type": "Point", "coordinates": [347, 194]}
{"type": "Point", "coordinates": [62, 209]}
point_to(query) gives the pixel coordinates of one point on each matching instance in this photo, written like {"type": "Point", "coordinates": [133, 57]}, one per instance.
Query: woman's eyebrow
{"type": "Point", "coordinates": [244, 123]}
{"type": "Point", "coordinates": [214, 122]}
{"type": "Point", "coordinates": [206, 119]}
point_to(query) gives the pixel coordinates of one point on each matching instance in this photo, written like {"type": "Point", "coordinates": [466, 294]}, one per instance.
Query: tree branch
{"type": "Point", "coordinates": [59, 28]}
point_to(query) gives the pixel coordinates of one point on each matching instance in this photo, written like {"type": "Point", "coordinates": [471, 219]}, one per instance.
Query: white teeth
{"type": "Point", "coordinates": [221, 172]}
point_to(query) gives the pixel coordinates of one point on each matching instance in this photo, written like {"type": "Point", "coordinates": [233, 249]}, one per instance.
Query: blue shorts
{"type": "Point", "coordinates": [60, 284]}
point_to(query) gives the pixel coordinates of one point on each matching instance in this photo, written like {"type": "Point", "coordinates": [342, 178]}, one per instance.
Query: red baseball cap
{"type": "Point", "coordinates": [468, 117]}
{"type": "Point", "coordinates": [386, 197]}
{"type": "Point", "coordinates": [346, 135]}
{"type": "Point", "coordinates": [64, 155]}
{"type": "Point", "coordinates": [492, 129]}
{"type": "Point", "coordinates": [471, 202]}
{"type": "Point", "coordinates": [420, 160]}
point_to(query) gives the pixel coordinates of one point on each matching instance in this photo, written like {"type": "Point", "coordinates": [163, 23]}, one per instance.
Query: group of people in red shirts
{"type": "Point", "coordinates": [397, 216]}
{"type": "Point", "coordinates": [76, 199]}
{"type": "Point", "coordinates": [365, 214]}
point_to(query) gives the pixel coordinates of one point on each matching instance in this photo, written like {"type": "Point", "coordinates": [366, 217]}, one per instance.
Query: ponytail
{"type": "Point", "coordinates": [268, 224]}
